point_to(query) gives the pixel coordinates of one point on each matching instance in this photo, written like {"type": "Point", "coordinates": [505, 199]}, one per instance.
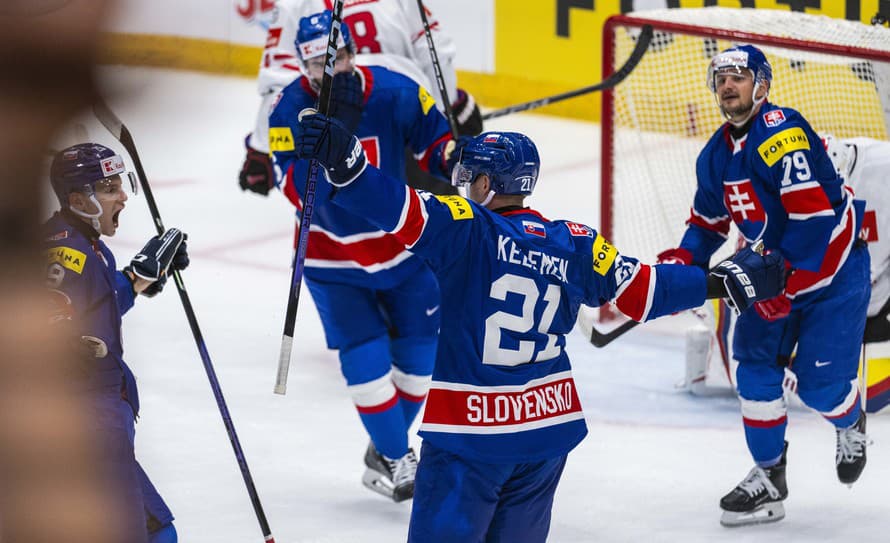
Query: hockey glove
{"type": "Point", "coordinates": [157, 255]}
{"type": "Point", "coordinates": [346, 100]}
{"type": "Point", "coordinates": [326, 140]}
{"type": "Point", "coordinates": [179, 263]}
{"type": "Point", "coordinates": [256, 174]}
{"type": "Point", "coordinates": [467, 114]}
{"type": "Point", "coordinates": [774, 308]}
{"type": "Point", "coordinates": [750, 277]}
{"type": "Point", "coordinates": [674, 256]}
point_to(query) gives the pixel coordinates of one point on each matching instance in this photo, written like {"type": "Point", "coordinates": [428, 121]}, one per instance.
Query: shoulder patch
{"type": "Point", "coordinates": [579, 230]}
{"type": "Point", "coordinates": [604, 254]}
{"type": "Point", "coordinates": [782, 143]}
{"type": "Point", "coordinates": [281, 138]}
{"type": "Point", "coordinates": [426, 99]}
{"type": "Point", "coordinates": [69, 258]}
{"type": "Point", "coordinates": [58, 235]}
{"type": "Point", "coordinates": [459, 207]}
{"type": "Point", "coordinates": [774, 118]}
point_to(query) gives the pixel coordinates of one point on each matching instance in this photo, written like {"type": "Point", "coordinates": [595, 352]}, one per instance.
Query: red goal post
{"type": "Point", "coordinates": [835, 72]}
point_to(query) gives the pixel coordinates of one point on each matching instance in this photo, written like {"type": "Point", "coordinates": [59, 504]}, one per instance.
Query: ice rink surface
{"type": "Point", "coordinates": [653, 467]}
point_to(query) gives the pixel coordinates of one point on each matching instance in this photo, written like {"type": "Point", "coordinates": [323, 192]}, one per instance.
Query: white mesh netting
{"type": "Point", "coordinates": [663, 112]}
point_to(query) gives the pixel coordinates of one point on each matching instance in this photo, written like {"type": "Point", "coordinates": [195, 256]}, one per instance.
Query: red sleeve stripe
{"type": "Point", "coordinates": [805, 200]}
{"type": "Point", "coordinates": [719, 225]}
{"type": "Point", "coordinates": [412, 220]}
{"type": "Point", "coordinates": [634, 297]}
{"type": "Point", "coordinates": [803, 281]}
{"type": "Point", "coordinates": [371, 252]}
{"type": "Point", "coordinates": [423, 159]}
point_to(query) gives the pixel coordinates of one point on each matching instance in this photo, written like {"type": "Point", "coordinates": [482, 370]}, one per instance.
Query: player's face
{"type": "Point", "coordinates": [735, 92]}
{"type": "Point", "coordinates": [111, 196]}
{"type": "Point", "coordinates": [315, 66]}
{"type": "Point", "coordinates": [478, 189]}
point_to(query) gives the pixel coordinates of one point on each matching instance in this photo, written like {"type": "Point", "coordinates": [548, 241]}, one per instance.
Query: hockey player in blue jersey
{"type": "Point", "coordinates": [90, 295]}
{"type": "Point", "coordinates": [766, 171]}
{"type": "Point", "coordinates": [379, 305]}
{"type": "Point", "coordinates": [503, 410]}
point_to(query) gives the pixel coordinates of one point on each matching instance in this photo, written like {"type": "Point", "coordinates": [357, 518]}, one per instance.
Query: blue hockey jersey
{"type": "Point", "coordinates": [397, 113]}
{"type": "Point", "coordinates": [82, 271]}
{"type": "Point", "coordinates": [776, 183]}
{"type": "Point", "coordinates": [512, 284]}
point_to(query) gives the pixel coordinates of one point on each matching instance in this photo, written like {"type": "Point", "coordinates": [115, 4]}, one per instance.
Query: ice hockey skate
{"type": "Point", "coordinates": [758, 498]}
{"type": "Point", "coordinates": [390, 477]}
{"type": "Point", "coordinates": [850, 458]}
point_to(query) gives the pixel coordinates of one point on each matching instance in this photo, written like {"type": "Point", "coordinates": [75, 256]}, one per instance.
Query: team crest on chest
{"type": "Point", "coordinates": [742, 202]}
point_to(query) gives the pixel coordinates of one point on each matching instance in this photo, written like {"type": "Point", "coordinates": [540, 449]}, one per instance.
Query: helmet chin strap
{"type": "Point", "coordinates": [92, 217]}
{"type": "Point", "coordinates": [488, 198]}
{"type": "Point", "coordinates": [755, 104]}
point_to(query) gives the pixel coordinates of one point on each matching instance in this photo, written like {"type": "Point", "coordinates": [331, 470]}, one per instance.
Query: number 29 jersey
{"type": "Point", "coordinates": [511, 283]}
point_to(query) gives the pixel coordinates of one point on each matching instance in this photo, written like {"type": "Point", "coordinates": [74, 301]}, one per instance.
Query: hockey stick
{"type": "Point", "coordinates": [296, 278]}
{"type": "Point", "coordinates": [617, 77]}
{"type": "Point", "coordinates": [440, 79]}
{"type": "Point", "coordinates": [117, 128]}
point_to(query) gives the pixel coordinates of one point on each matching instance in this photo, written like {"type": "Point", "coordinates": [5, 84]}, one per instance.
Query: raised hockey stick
{"type": "Point", "coordinates": [617, 77]}
{"type": "Point", "coordinates": [117, 128]}
{"type": "Point", "coordinates": [296, 278]}
{"type": "Point", "coordinates": [440, 79]}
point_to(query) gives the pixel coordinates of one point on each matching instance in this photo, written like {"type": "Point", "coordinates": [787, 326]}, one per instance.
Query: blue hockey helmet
{"type": "Point", "coordinates": [79, 167]}
{"type": "Point", "coordinates": [738, 58]}
{"type": "Point", "coordinates": [509, 159]}
{"type": "Point", "coordinates": [312, 35]}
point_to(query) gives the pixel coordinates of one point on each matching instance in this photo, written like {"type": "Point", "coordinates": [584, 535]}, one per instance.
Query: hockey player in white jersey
{"type": "Point", "coordinates": [865, 164]}
{"type": "Point", "coordinates": [388, 33]}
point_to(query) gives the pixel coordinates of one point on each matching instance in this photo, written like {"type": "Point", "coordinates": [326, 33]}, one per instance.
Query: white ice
{"type": "Point", "coordinates": [653, 467]}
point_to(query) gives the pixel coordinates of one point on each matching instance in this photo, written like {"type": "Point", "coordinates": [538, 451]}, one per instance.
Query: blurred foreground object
{"type": "Point", "coordinates": [52, 489]}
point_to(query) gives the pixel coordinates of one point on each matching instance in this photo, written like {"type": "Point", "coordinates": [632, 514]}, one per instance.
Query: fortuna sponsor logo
{"type": "Point", "coordinates": [516, 408]}
{"type": "Point", "coordinates": [542, 263]}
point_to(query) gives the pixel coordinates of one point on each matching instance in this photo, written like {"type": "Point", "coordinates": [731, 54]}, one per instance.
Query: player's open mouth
{"type": "Point", "coordinates": [114, 218]}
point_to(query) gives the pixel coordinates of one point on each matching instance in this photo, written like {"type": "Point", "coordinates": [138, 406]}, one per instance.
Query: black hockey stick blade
{"type": "Point", "coordinates": [600, 340]}
{"type": "Point", "coordinates": [610, 82]}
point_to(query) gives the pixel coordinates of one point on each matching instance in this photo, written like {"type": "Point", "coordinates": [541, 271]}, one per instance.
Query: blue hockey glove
{"type": "Point", "coordinates": [157, 255]}
{"type": "Point", "coordinates": [326, 140]}
{"type": "Point", "coordinates": [750, 277]}
{"type": "Point", "coordinates": [180, 262]}
{"type": "Point", "coordinates": [347, 99]}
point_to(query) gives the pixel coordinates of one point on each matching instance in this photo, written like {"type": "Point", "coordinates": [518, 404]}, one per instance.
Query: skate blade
{"type": "Point", "coordinates": [378, 483]}
{"type": "Point", "coordinates": [768, 512]}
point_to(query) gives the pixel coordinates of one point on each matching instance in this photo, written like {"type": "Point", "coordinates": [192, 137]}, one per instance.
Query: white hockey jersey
{"type": "Point", "coordinates": [392, 28]}
{"type": "Point", "coordinates": [868, 172]}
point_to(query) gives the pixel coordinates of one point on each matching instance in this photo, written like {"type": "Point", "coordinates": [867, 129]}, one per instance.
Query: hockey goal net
{"type": "Point", "coordinates": [654, 124]}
